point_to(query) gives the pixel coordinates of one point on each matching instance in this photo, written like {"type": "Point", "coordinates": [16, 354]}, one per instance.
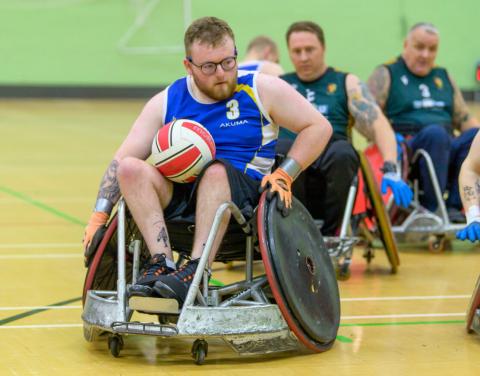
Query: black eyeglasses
{"type": "Point", "coordinates": [210, 67]}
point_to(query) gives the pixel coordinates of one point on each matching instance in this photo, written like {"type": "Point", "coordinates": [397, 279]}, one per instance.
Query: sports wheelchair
{"type": "Point", "coordinates": [365, 220]}
{"type": "Point", "coordinates": [417, 224]}
{"type": "Point", "coordinates": [294, 306]}
{"type": "Point", "coordinates": [473, 313]}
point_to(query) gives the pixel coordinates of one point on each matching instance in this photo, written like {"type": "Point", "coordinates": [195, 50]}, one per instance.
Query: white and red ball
{"type": "Point", "coordinates": [181, 148]}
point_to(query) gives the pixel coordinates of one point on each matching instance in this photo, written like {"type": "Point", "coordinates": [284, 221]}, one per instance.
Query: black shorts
{"type": "Point", "coordinates": [243, 188]}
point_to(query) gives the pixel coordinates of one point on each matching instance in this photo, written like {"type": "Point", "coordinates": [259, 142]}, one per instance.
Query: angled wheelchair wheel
{"type": "Point", "coordinates": [102, 272]}
{"type": "Point", "coordinates": [300, 273]}
{"type": "Point", "coordinates": [473, 306]}
{"type": "Point", "coordinates": [382, 219]}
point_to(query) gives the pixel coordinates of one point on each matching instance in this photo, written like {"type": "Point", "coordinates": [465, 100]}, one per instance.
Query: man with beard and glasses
{"type": "Point", "coordinates": [424, 105]}
{"type": "Point", "coordinates": [241, 111]}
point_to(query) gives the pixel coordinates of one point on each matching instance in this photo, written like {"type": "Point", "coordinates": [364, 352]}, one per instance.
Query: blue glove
{"type": "Point", "coordinates": [472, 232]}
{"type": "Point", "coordinates": [391, 179]}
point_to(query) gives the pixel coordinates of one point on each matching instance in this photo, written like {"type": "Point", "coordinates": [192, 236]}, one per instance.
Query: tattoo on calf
{"type": "Point", "coordinates": [162, 235]}
{"type": "Point", "coordinates": [469, 193]}
{"type": "Point", "coordinates": [109, 188]}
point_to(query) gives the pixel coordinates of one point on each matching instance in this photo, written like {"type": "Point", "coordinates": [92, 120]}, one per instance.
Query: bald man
{"type": "Point", "coordinates": [262, 56]}
{"type": "Point", "coordinates": [424, 104]}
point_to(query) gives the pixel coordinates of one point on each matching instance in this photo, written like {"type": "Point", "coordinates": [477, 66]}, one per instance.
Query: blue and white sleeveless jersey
{"type": "Point", "coordinates": [243, 132]}
{"type": "Point", "coordinates": [252, 65]}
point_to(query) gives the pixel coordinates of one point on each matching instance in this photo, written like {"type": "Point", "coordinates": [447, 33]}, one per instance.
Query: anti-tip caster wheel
{"type": "Point", "coordinates": [199, 351]}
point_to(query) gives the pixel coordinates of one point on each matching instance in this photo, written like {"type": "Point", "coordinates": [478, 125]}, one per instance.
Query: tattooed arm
{"type": "Point", "coordinates": [469, 179]}
{"type": "Point", "coordinates": [109, 192]}
{"type": "Point", "coordinates": [379, 85]}
{"type": "Point", "coordinates": [462, 120]}
{"type": "Point", "coordinates": [137, 144]}
{"type": "Point", "coordinates": [369, 119]}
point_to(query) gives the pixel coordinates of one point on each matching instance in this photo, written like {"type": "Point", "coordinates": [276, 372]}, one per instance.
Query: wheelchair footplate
{"type": "Point", "coordinates": [153, 305]}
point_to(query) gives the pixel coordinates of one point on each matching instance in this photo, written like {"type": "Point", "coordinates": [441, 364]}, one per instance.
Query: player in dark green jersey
{"type": "Point", "coordinates": [424, 104]}
{"type": "Point", "coordinates": [345, 101]}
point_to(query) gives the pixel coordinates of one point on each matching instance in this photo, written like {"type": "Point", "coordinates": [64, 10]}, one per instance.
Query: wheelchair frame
{"type": "Point", "coordinates": [240, 313]}
{"type": "Point", "coordinates": [436, 228]}
{"type": "Point", "coordinates": [340, 248]}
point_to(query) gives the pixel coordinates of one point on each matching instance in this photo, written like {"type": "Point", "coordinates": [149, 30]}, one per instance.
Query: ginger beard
{"type": "Point", "coordinates": [217, 88]}
{"type": "Point", "coordinates": [221, 84]}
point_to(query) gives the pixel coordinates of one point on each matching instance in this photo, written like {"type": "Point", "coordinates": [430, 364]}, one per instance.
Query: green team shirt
{"type": "Point", "coordinates": [414, 102]}
{"type": "Point", "coordinates": [328, 95]}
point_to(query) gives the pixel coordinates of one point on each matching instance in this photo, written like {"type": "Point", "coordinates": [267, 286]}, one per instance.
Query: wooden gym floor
{"type": "Point", "coordinates": [53, 154]}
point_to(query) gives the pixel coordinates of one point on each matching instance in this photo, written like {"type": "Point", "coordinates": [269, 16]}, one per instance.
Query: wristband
{"type": "Point", "coordinates": [389, 166]}
{"type": "Point", "coordinates": [291, 167]}
{"type": "Point", "coordinates": [103, 205]}
{"type": "Point", "coordinates": [473, 214]}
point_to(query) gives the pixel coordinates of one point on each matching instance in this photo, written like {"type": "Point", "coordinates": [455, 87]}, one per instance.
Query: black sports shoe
{"type": "Point", "coordinates": [140, 290]}
{"type": "Point", "coordinates": [176, 284]}
{"type": "Point", "coordinates": [153, 268]}
{"type": "Point", "coordinates": [455, 215]}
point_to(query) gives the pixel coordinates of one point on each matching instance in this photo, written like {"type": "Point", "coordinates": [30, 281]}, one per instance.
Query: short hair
{"type": "Point", "coordinates": [207, 30]}
{"type": "Point", "coordinates": [427, 26]}
{"type": "Point", "coordinates": [261, 42]}
{"type": "Point", "coordinates": [307, 26]}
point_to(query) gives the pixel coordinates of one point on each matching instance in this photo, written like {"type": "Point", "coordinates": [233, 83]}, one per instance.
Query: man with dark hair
{"type": "Point", "coordinates": [241, 111]}
{"type": "Point", "coordinates": [424, 105]}
{"type": "Point", "coordinates": [346, 102]}
{"type": "Point", "coordinates": [262, 56]}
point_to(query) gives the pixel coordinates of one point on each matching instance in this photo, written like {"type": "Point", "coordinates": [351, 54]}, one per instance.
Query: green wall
{"type": "Point", "coordinates": [74, 42]}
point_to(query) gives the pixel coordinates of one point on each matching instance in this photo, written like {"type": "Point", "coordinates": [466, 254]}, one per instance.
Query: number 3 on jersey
{"type": "Point", "coordinates": [233, 110]}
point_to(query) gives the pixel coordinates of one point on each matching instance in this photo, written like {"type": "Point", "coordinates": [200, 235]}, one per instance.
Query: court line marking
{"type": "Point", "coordinates": [42, 205]}
{"type": "Point", "coordinates": [19, 308]}
{"type": "Point", "coordinates": [403, 323]}
{"type": "Point", "coordinates": [35, 311]}
{"type": "Point", "coordinates": [41, 326]}
{"type": "Point", "coordinates": [425, 297]}
{"type": "Point", "coordinates": [340, 338]}
{"type": "Point", "coordinates": [42, 256]}
{"type": "Point", "coordinates": [403, 315]}
{"type": "Point", "coordinates": [432, 297]}
{"type": "Point", "coordinates": [39, 245]}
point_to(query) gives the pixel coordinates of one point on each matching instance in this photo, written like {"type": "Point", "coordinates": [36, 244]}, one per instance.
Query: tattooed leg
{"type": "Point", "coordinates": [163, 237]}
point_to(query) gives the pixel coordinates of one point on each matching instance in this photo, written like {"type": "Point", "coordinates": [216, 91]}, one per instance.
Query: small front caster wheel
{"type": "Point", "coordinates": [199, 351]}
{"type": "Point", "coordinates": [115, 344]}
{"type": "Point", "coordinates": [437, 243]}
